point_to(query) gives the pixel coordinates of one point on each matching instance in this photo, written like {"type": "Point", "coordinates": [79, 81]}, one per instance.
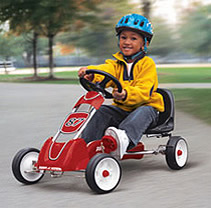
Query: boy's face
{"type": "Point", "coordinates": [130, 42]}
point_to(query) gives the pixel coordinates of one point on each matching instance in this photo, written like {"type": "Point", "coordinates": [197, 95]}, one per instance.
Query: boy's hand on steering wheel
{"type": "Point", "coordinates": [82, 73]}
{"type": "Point", "coordinates": [119, 96]}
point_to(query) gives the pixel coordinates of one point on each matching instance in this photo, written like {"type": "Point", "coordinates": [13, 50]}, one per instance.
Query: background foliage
{"type": "Point", "coordinates": [86, 28]}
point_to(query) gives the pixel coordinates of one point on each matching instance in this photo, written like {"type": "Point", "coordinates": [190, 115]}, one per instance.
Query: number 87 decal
{"type": "Point", "coordinates": [73, 122]}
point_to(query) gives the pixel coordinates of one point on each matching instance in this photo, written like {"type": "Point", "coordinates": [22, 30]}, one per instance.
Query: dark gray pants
{"type": "Point", "coordinates": [135, 123]}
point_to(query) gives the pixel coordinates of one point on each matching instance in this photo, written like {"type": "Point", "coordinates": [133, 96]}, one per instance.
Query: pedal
{"type": "Point", "coordinates": [138, 148]}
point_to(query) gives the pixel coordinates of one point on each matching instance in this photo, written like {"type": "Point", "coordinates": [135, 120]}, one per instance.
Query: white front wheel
{"type": "Point", "coordinates": [23, 166]}
{"type": "Point", "coordinates": [103, 173]}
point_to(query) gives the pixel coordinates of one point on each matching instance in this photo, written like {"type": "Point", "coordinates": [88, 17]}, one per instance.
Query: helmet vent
{"type": "Point", "coordinates": [126, 21]}
{"type": "Point", "coordinates": [136, 22]}
{"type": "Point", "coordinates": [142, 24]}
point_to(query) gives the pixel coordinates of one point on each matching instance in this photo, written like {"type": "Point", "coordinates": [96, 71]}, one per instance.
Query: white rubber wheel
{"type": "Point", "coordinates": [103, 173]}
{"type": "Point", "coordinates": [176, 152]}
{"type": "Point", "coordinates": [22, 165]}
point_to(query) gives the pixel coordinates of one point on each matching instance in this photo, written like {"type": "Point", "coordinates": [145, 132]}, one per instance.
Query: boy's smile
{"type": "Point", "coordinates": [130, 42]}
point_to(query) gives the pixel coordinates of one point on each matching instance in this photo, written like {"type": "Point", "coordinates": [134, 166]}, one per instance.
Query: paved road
{"type": "Point", "coordinates": [30, 113]}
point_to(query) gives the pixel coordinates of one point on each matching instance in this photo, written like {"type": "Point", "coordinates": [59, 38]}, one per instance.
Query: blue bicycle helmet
{"type": "Point", "coordinates": [137, 23]}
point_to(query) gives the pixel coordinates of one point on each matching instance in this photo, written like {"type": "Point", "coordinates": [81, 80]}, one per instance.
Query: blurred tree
{"type": "Point", "coordinates": [146, 7]}
{"type": "Point", "coordinates": [163, 41]}
{"type": "Point", "coordinates": [9, 46]}
{"type": "Point", "coordinates": [195, 31]}
{"type": "Point", "coordinates": [46, 17]}
{"type": "Point", "coordinates": [20, 47]}
{"type": "Point", "coordinates": [29, 49]}
{"type": "Point", "coordinates": [98, 39]}
{"type": "Point", "coordinates": [19, 15]}
{"type": "Point", "coordinates": [97, 36]}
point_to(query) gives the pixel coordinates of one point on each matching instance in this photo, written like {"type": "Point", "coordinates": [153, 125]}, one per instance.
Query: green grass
{"type": "Point", "coordinates": [184, 75]}
{"type": "Point", "coordinates": [194, 101]}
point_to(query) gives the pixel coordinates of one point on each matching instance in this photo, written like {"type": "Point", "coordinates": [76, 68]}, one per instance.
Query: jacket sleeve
{"type": "Point", "coordinates": [145, 84]}
{"type": "Point", "coordinates": [109, 67]}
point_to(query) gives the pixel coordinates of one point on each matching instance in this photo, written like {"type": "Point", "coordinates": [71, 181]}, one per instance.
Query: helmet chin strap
{"type": "Point", "coordinates": [145, 45]}
{"type": "Point", "coordinates": [133, 56]}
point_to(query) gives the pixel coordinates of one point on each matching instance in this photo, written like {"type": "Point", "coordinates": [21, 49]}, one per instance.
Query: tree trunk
{"type": "Point", "coordinates": [35, 37]}
{"type": "Point", "coordinates": [146, 6]}
{"type": "Point", "coordinates": [51, 63]}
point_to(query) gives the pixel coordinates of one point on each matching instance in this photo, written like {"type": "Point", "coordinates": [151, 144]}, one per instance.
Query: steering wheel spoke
{"type": "Point", "coordinates": [100, 87]}
{"type": "Point", "coordinates": [104, 82]}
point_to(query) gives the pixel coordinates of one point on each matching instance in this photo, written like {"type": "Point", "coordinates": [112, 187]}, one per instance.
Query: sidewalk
{"type": "Point", "coordinates": [42, 70]}
{"type": "Point", "coordinates": [75, 68]}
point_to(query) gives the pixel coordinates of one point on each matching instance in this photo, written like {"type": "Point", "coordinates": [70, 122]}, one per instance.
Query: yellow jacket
{"type": "Point", "coordinates": [141, 85]}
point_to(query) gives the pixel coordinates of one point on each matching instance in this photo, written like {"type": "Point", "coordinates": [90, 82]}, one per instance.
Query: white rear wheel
{"type": "Point", "coordinates": [181, 153]}
{"type": "Point", "coordinates": [176, 152]}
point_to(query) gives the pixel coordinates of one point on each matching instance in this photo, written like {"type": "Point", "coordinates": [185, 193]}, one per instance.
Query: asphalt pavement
{"type": "Point", "coordinates": [30, 113]}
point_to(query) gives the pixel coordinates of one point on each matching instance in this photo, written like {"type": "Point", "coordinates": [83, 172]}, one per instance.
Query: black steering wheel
{"type": "Point", "coordinates": [100, 86]}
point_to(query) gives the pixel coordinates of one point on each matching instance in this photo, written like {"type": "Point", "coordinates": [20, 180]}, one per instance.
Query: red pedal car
{"type": "Point", "coordinates": [102, 170]}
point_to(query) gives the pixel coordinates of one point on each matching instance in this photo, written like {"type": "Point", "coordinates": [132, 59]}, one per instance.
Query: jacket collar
{"type": "Point", "coordinates": [120, 57]}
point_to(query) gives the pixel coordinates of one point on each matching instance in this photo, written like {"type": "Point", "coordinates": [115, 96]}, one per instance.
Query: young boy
{"type": "Point", "coordinates": [137, 107]}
